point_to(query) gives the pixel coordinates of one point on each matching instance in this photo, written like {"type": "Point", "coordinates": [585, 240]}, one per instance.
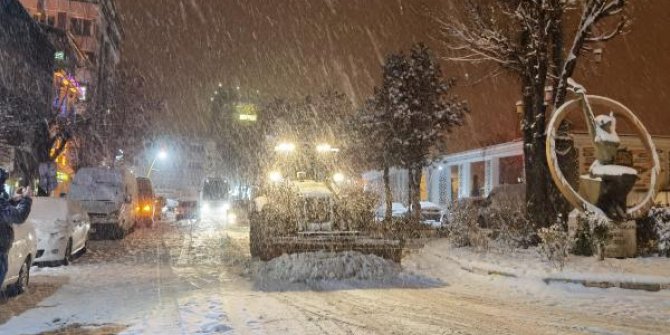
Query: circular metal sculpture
{"type": "Point", "coordinates": [610, 183]}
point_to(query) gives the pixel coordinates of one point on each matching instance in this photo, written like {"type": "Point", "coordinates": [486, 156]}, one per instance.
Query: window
{"type": "Point", "coordinates": [62, 20]}
{"type": "Point", "coordinates": [81, 27]}
{"type": "Point", "coordinates": [91, 57]}
{"type": "Point", "coordinates": [51, 20]}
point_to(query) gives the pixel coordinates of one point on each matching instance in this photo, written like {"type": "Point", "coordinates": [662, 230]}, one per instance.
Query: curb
{"type": "Point", "coordinates": [649, 287]}
{"type": "Point", "coordinates": [627, 285]}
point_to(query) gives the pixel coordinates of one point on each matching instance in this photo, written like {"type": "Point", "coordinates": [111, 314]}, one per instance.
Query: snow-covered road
{"type": "Point", "coordinates": [187, 278]}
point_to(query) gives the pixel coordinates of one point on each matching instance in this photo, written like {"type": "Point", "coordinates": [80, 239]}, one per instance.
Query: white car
{"type": "Point", "coordinates": [62, 228]}
{"type": "Point", "coordinates": [21, 256]}
{"type": "Point", "coordinates": [398, 210]}
{"type": "Point", "coordinates": [432, 214]}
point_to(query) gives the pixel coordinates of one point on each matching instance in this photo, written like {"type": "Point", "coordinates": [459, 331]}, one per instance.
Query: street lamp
{"type": "Point", "coordinates": [162, 155]}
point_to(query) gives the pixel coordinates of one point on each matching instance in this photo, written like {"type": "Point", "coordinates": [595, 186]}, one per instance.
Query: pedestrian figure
{"type": "Point", "coordinates": [13, 210]}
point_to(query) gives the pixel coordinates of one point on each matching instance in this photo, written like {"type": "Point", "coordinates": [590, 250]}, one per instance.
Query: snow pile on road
{"type": "Point", "coordinates": [321, 265]}
{"type": "Point", "coordinates": [330, 270]}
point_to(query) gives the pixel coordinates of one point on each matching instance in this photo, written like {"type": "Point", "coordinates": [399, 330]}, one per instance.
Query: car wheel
{"type": "Point", "coordinates": [24, 278]}
{"type": "Point", "coordinates": [67, 258]}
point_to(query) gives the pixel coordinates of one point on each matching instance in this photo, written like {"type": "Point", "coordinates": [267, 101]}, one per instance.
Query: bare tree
{"type": "Point", "coordinates": [526, 37]}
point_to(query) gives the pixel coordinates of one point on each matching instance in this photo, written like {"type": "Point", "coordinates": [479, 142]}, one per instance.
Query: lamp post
{"type": "Point", "coordinates": [162, 155]}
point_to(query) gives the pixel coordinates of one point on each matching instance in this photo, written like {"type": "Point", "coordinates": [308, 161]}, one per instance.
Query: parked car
{"type": "Point", "coordinates": [146, 202]}
{"type": "Point", "coordinates": [62, 228]}
{"type": "Point", "coordinates": [109, 196]}
{"type": "Point", "coordinates": [21, 255]}
{"type": "Point", "coordinates": [187, 210]}
{"type": "Point", "coordinates": [432, 214]}
{"type": "Point", "coordinates": [398, 211]}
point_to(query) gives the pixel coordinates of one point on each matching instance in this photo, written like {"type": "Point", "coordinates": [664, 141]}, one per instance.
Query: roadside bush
{"type": "Point", "coordinates": [511, 227]}
{"type": "Point", "coordinates": [406, 228]}
{"type": "Point", "coordinates": [555, 243]}
{"type": "Point", "coordinates": [592, 234]}
{"type": "Point", "coordinates": [583, 241]}
{"type": "Point", "coordinates": [660, 218]}
{"type": "Point", "coordinates": [463, 228]}
{"type": "Point", "coordinates": [645, 233]}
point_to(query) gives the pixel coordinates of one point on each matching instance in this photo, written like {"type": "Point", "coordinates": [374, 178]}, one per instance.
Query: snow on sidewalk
{"type": "Point", "coordinates": [528, 263]}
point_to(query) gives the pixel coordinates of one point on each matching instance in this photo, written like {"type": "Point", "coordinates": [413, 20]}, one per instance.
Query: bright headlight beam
{"type": "Point", "coordinates": [324, 147]}
{"type": "Point", "coordinates": [275, 176]}
{"type": "Point", "coordinates": [338, 177]}
{"type": "Point", "coordinates": [285, 147]}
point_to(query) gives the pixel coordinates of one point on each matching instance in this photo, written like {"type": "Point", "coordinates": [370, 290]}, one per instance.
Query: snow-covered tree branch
{"type": "Point", "coordinates": [526, 37]}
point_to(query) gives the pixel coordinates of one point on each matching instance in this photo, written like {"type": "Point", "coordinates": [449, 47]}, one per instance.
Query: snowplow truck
{"type": "Point", "coordinates": [315, 210]}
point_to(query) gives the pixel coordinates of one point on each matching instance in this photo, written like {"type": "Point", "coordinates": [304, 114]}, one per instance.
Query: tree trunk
{"type": "Point", "coordinates": [388, 196]}
{"type": "Point", "coordinates": [415, 193]}
{"type": "Point", "coordinates": [538, 181]}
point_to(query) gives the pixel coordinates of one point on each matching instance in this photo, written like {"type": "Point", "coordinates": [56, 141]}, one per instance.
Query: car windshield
{"type": "Point", "coordinates": [335, 167]}
{"type": "Point", "coordinates": [215, 190]}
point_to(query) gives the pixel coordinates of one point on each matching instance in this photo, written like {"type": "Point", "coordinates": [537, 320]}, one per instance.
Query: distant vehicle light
{"type": "Point", "coordinates": [324, 147]}
{"type": "Point", "coordinates": [275, 176]}
{"type": "Point", "coordinates": [285, 147]}
{"type": "Point", "coordinates": [338, 177]}
{"type": "Point", "coordinates": [147, 208]}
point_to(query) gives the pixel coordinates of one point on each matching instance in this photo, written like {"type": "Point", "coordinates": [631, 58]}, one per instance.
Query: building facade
{"type": "Point", "coordinates": [26, 70]}
{"type": "Point", "coordinates": [94, 25]}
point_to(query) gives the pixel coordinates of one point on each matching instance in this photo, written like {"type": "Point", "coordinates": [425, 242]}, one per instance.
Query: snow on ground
{"type": "Point", "coordinates": [439, 259]}
{"type": "Point", "coordinates": [197, 278]}
{"type": "Point", "coordinates": [116, 282]}
{"type": "Point", "coordinates": [529, 263]}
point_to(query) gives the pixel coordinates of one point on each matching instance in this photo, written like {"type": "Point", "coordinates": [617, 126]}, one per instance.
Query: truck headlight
{"type": "Point", "coordinates": [275, 176]}
{"type": "Point", "coordinates": [338, 177]}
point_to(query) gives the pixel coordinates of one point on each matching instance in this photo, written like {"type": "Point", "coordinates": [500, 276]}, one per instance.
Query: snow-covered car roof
{"type": "Point", "coordinates": [430, 205]}
{"type": "Point", "coordinates": [48, 208]}
{"type": "Point", "coordinates": [45, 212]}
{"type": "Point", "coordinates": [396, 207]}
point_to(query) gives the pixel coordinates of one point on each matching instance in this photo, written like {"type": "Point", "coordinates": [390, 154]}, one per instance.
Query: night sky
{"type": "Point", "coordinates": [282, 48]}
{"type": "Point", "coordinates": [290, 48]}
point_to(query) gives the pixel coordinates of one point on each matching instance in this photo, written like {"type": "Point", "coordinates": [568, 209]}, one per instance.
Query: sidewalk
{"type": "Point", "coordinates": [649, 274]}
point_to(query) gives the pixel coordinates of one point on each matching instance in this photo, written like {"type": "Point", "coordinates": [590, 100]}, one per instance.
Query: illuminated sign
{"type": "Point", "coordinates": [59, 55]}
{"type": "Point", "coordinates": [82, 93]}
{"type": "Point", "coordinates": [248, 117]}
{"type": "Point", "coordinates": [247, 112]}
